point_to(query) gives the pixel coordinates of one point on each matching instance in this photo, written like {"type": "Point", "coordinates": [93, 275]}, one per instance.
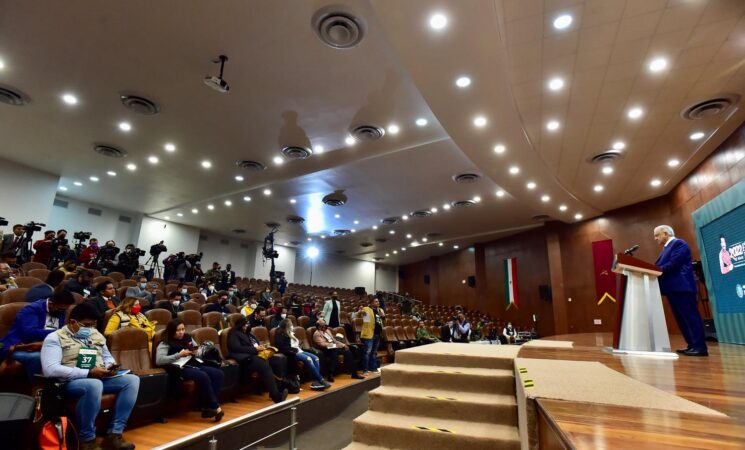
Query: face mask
{"type": "Point", "coordinates": [175, 302]}
{"type": "Point", "coordinates": [284, 316]}
{"type": "Point", "coordinates": [142, 285]}
{"type": "Point", "coordinates": [211, 288]}
{"type": "Point", "coordinates": [83, 332]}
{"type": "Point", "coordinates": [184, 291]}
{"type": "Point", "coordinates": [136, 309]}
{"type": "Point", "coordinates": [223, 301]}
{"type": "Point", "coordinates": [94, 246]}
{"type": "Point", "coordinates": [253, 305]}
{"type": "Point", "coordinates": [231, 292]}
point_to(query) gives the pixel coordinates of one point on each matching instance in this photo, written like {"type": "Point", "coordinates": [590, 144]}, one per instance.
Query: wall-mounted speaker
{"type": "Point", "coordinates": [471, 281]}
{"type": "Point", "coordinates": [426, 279]}
{"type": "Point", "coordinates": [544, 292]}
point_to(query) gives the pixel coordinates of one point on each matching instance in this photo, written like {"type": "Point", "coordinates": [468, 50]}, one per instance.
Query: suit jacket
{"type": "Point", "coordinates": [7, 242]}
{"type": "Point", "coordinates": [677, 270]}
{"type": "Point", "coordinates": [319, 341]}
{"type": "Point", "coordinates": [101, 307]}
{"type": "Point", "coordinates": [241, 346]}
{"type": "Point", "coordinates": [28, 325]}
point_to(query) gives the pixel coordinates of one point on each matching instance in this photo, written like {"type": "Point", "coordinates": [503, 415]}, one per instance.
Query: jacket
{"type": "Point", "coordinates": [328, 307]}
{"type": "Point", "coordinates": [368, 323]}
{"type": "Point", "coordinates": [284, 345]}
{"type": "Point", "coordinates": [677, 268]}
{"type": "Point", "coordinates": [241, 346]}
{"type": "Point", "coordinates": [101, 307]}
{"type": "Point", "coordinates": [323, 340]}
{"type": "Point", "coordinates": [28, 326]}
{"type": "Point", "coordinates": [121, 320]}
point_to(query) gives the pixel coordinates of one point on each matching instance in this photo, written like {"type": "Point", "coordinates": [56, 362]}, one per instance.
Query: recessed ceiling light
{"type": "Point", "coordinates": [323, 236]}
{"type": "Point", "coordinates": [180, 214]}
{"type": "Point", "coordinates": [446, 206]}
{"type": "Point", "coordinates": [673, 163]}
{"type": "Point", "coordinates": [656, 182]}
{"type": "Point", "coordinates": [375, 227]}
{"type": "Point", "coordinates": [421, 122]}
{"type": "Point", "coordinates": [479, 121]}
{"type": "Point", "coordinates": [556, 83]}
{"type": "Point", "coordinates": [239, 178]}
{"type": "Point", "coordinates": [278, 160]}
{"type": "Point", "coordinates": [336, 216]}
{"type": "Point", "coordinates": [247, 199]}
{"type": "Point", "coordinates": [456, 247]}
{"type": "Point", "coordinates": [695, 136]}
{"type": "Point", "coordinates": [93, 179]}
{"type": "Point", "coordinates": [356, 222]}
{"type": "Point", "coordinates": [635, 112]}
{"type": "Point", "coordinates": [167, 217]}
{"type": "Point", "coordinates": [387, 255]}
{"type": "Point", "coordinates": [477, 199]}
{"type": "Point", "coordinates": [77, 183]}
{"type": "Point", "coordinates": [131, 167]}
{"type": "Point", "coordinates": [2, 64]}
{"type": "Point", "coordinates": [228, 203]}
{"type": "Point", "coordinates": [500, 193]}
{"type": "Point", "coordinates": [499, 149]}
{"type": "Point", "coordinates": [562, 208]}
{"type": "Point", "coordinates": [619, 145]}
{"type": "Point", "coordinates": [62, 188]}
{"type": "Point", "coordinates": [286, 243]}
{"type": "Point", "coordinates": [530, 185]}
{"type": "Point", "coordinates": [111, 173]}
{"type": "Point", "coordinates": [408, 236]}
{"type": "Point", "coordinates": [194, 211]}
{"type": "Point", "coordinates": [170, 147]}
{"type": "Point", "coordinates": [658, 64]}
{"type": "Point", "coordinates": [310, 239]}
{"type": "Point", "coordinates": [405, 217]}
{"type": "Point", "coordinates": [403, 249]}
{"type": "Point", "coordinates": [552, 125]}
{"type": "Point", "coordinates": [210, 207]}
{"type": "Point", "coordinates": [125, 126]}
{"type": "Point", "coordinates": [318, 149]}
{"type": "Point", "coordinates": [578, 216]}
{"type": "Point", "coordinates": [424, 239]}
{"type": "Point", "coordinates": [607, 170]}
{"type": "Point", "coordinates": [440, 244]}
{"type": "Point", "coordinates": [70, 99]}
{"type": "Point", "coordinates": [562, 22]}
{"type": "Point", "coordinates": [395, 252]}
{"type": "Point", "coordinates": [433, 209]}
{"type": "Point", "coordinates": [414, 244]}
{"type": "Point", "coordinates": [293, 201]}
{"type": "Point", "coordinates": [545, 199]}
{"type": "Point", "coordinates": [391, 231]}
{"type": "Point", "coordinates": [206, 164]}
{"type": "Point", "coordinates": [598, 188]}
{"type": "Point", "coordinates": [153, 159]}
{"type": "Point", "coordinates": [514, 170]}
{"type": "Point", "coordinates": [267, 192]}
{"type": "Point", "coordinates": [463, 82]}
{"type": "Point", "coordinates": [350, 141]}
{"type": "Point", "coordinates": [438, 21]}
{"type": "Point", "coordinates": [393, 128]}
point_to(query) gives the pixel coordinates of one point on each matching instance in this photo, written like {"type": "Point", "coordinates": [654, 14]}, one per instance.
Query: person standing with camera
{"type": "Point", "coordinates": [43, 248]}
{"type": "Point", "coordinates": [129, 260]}
{"type": "Point", "coordinates": [89, 253]}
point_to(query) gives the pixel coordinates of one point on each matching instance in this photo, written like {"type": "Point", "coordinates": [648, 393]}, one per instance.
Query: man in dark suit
{"type": "Point", "coordinates": [105, 301]}
{"type": "Point", "coordinates": [679, 286]}
{"type": "Point", "coordinates": [12, 241]}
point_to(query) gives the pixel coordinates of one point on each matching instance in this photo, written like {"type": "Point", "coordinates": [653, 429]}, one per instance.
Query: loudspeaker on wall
{"type": "Point", "coordinates": [544, 292]}
{"type": "Point", "coordinates": [471, 281]}
{"type": "Point", "coordinates": [426, 279]}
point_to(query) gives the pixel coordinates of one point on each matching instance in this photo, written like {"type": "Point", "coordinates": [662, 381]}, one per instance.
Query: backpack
{"type": "Point", "coordinates": [54, 435]}
{"type": "Point", "coordinates": [50, 410]}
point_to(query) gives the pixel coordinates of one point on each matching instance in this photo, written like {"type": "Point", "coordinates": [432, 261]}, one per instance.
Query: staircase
{"type": "Point", "coordinates": [443, 396]}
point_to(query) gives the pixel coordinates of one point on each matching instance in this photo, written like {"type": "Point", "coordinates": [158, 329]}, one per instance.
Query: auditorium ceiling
{"type": "Point", "coordinates": [547, 110]}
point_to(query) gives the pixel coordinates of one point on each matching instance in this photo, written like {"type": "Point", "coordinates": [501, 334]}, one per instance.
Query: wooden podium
{"type": "Point", "coordinates": [642, 329]}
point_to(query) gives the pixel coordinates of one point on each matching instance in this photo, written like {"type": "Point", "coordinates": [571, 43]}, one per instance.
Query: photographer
{"type": "Point", "coordinates": [105, 258]}
{"type": "Point", "coordinates": [43, 248]}
{"type": "Point", "coordinates": [129, 260]}
{"type": "Point", "coordinates": [180, 267]}
{"type": "Point", "coordinates": [89, 253]}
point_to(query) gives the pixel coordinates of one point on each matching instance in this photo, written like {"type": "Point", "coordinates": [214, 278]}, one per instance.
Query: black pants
{"type": "Point", "coordinates": [261, 366]}
{"type": "Point", "coordinates": [332, 358]}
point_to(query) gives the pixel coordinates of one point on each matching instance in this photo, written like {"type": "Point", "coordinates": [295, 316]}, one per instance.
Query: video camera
{"type": "Point", "coordinates": [33, 226]}
{"type": "Point", "coordinates": [193, 258]}
{"type": "Point", "coordinates": [108, 252]}
{"type": "Point", "coordinates": [3, 222]}
{"type": "Point", "coordinates": [59, 242]}
{"type": "Point", "coordinates": [157, 249]}
{"type": "Point", "coordinates": [138, 252]}
{"type": "Point", "coordinates": [82, 235]}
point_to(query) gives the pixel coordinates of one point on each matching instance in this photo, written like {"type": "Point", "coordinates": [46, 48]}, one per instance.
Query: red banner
{"type": "Point", "coordinates": [605, 279]}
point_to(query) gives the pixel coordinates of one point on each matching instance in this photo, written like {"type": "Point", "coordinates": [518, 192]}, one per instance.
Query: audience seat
{"type": "Point", "coordinates": [410, 334]}
{"type": "Point", "coordinates": [78, 298]}
{"type": "Point", "coordinates": [191, 306]}
{"type": "Point", "coordinates": [121, 292]}
{"type": "Point", "coordinates": [262, 334]}
{"type": "Point", "coordinates": [28, 282]}
{"type": "Point", "coordinates": [302, 336]}
{"type": "Point", "coordinates": [232, 308]}
{"type": "Point", "coordinates": [13, 296]}
{"type": "Point", "coordinates": [213, 319]}
{"type": "Point", "coordinates": [116, 276]}
{"type": "Point", "coordinates": [191, 289]}
{"type": "Point", "coordinates": [303, 321]}
{"type": "Point", "coordinates": [192, 319]}
{"type": "Point", "coordinates": [159, 316]}
{"type": "Point", "coordinates": [233, 318]}
{"type": "Point", "coordinates": [127, 283]}
{"type": "Point", "coordinates": [391, 340]}
{"type": "Point", "coordinates": [101, 279]}
{"type": "Point", "coordinates": [198, 298]}
{"type": "Point", "coordinates": [8, 314]}
{"type": "Point", "coordinates": [268, 321]}
{"type": "Point", "coordinates": [183, 391]}
{"type": "Point", "coordinates": [292, 319]}
{"type": "Point", "coordinates": [309, 332]}
{"type": "Point", "coordinates": [41, 274]}
{"type": "Point", "coordinates": [161, 282]}
{"type": "Point", "coordinates": [229, 368]}
{"type": "Point", "coordinates": [31, 265]}
{"type": "Point", "coordinates": [107, 315]}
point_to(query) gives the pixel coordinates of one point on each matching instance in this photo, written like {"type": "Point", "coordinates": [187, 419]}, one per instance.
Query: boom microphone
{"type": "Point", "coordinates": [630, 251]}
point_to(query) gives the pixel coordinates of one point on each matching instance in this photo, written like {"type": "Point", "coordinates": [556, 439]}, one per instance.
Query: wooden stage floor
{"type": "Point", "coordinates": [717, 382]}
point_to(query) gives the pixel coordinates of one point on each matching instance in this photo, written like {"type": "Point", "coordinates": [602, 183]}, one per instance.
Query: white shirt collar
{"type": "Point", "coordinates": [669, 240]}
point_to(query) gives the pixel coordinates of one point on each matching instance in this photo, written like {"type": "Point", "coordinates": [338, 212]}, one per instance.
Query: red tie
{"type": "Point", "coordinates": [15, 242]}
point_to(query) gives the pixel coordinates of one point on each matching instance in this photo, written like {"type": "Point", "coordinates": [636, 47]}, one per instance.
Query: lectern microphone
{"type": "Point", "coordinates": [630, 251]}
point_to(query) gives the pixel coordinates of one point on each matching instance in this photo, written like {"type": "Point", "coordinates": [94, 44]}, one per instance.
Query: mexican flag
{"type": "Point", "coordinates": [510, 282]}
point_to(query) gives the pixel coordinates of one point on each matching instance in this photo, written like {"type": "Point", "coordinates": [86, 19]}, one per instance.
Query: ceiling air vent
{"type": "Point", "coordinates": [341, 232]}
{"type": "Point", "coordinates": [95, 212]}
{"type": "Point", "coordinates": [295, 219]}
{"type": "Point", "coordinates": [61, 203]}
{"type": "Point", "coordinates": [125, 219]}
{"type": "Point", "coordinates": [463, 204]}
{"type": "Point", "coordinates": [421, 213]}
{"type": "Point", "coordinates": [378, 258]}
{"type": "Point", "coordinates": [336, 198]}
{"type": "Point", "coordinates": [272, 224]}
{"type": "Point", "coordinates": [381, 240]}
{"type": "Point", "coordinates": [367, 133]}
{"type": "Point", "coordinates": [433, 235]}
{"type": "Point", "coordinates": [140, 105]}
{"type": "Point", "coordinates": [295, 242]}
{"type": "Point", "coordinates": [338, 29]}
{"type": "Point", "coordinates": [389, 220]}
{"type": "Point", "coordinates": [109, 150]}
{"type": "Point", "coordinates": [239, 231]}
{"type": "Point", "coordinates": [606, 157]}
{"type": "Point", "coordinates": [294, 152]}
{"type": "Point", "coordinates": [709, 108]}
{"type": "Point", "coordinates": [250, 165]}
{"type": "Point", "coordinates": [541, 217]}
{"type": "Point", "coordinates": [366, 244]}
{"type": "Point", "coordinates": [467, 178]}
{"type": "Point", "coordinates": [13, 97]}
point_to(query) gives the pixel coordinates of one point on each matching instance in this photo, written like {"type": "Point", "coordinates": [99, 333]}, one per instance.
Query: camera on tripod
{"type": "Point", "coordinates": [108, 252]}
{"type": "Point", "coordinates": [157, 249]}
{"type": "Point", "coordinates": [82, 235]}
{"type": "Point", "coordinates": [138, 252]}
{"type": "Point", "coordinates": [3, 222]}
{"type": "Point", "coordinates": [59, 242]}
{"type": "Point", "coordinates": [33, 226]}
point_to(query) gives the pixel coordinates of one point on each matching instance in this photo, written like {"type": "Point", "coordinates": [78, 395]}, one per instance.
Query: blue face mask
{"type": "Point", "coordinates": [142, 285]}
{"type": "Point", "coordinates": [84, 332]}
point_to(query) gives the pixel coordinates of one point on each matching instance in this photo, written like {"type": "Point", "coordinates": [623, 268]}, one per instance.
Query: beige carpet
{"type": "Point", "coordinates": [443, 396]}
{"type": "Point", "coordinates": [549, 344]}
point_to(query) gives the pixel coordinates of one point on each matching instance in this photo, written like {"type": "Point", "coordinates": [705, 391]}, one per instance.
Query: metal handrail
{"type": "Point", "coordinates": [237, 422]}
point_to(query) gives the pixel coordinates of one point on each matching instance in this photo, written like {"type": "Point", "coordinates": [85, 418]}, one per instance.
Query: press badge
{"type": "Point", "coordinates": [86, 358]}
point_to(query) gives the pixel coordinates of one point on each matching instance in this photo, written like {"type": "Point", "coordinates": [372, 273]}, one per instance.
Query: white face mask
{"type": "Point", "coordinates": [184, 291]}
{"type": "Point", "coordinates": [253, 305]}
{"type": "Point", "coordinates": [284, 316]}
{"type": "Point", "coordinates": [211, 288]}
{"type": "Point", "coordinates": [175, 302]}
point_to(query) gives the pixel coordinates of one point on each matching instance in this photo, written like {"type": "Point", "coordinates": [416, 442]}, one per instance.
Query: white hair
{"type": "Point", "coordinates": [666, 228]}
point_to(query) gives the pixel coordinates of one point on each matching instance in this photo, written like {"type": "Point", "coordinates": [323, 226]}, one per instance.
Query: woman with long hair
{"type": "Point", "coordinates": [127, 314]}
{"type": "Point", "coordinates": [289, 346]}
{"type": "Point", "coordinates": [177, 354]}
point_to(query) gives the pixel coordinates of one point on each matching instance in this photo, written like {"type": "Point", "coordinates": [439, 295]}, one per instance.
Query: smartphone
{"type": "Point", "coordinates": [114, 367]}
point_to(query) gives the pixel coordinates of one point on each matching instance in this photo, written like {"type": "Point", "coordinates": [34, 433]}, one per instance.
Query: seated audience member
{"type": "Point", "coordinates": [208, 289]}
{"type": "Point", "coordinates": [331, 348]}
{"type": "Point", "coordinates": [423, 336]}
{"type": "Point", "coordinates": [69, 266]}
{"type": "Point", "coordinates": [331, 309]}
{"type": "Point", "coordinates": [461, 329]}
{"type": "Point", "coordinates": [81, 284]}
{"type": "Point", "coordinates": [38, 292]}
{"type": "Point", "coordinates": [289, 346]}
{"type": "Point", "coordinates": [173, 305]}
{"type": "Point", "coordinates": [248, 307]}
{"type": "Point", "coordinates": [492, 336]}
{"type": "Point", "coordinates": [177, 354]}
{"type": "Point", "coordinates": [77, 355]}
{"type": "Point", "coordinates": [89, 253]}
{"type": "Point", "coordinates": [31, 325]}
{"type": "Point", "coordinates": [7, 279]}
{"type": "Point", "coordinates": [128, 314]}
{"type": "Point", "coordinates": [55, 278]}
{"type": "Point", "coordinates": [315, 316]}
{"type": "Point", "coordinates": [43, 248]}
{"type": "Point", "coordinates": [104, 301]}
{"type": "Point", "coordinates": [11, 260]}
{"type": "Point", "coordinates": [266, 298]}
{"type": "Point", "coordinates": [278, 317]}
{"type": "Point", "coordinates": [253, 357]}
{"type": "Point", "coordinates": [218, 305]}
{"type": "Point", "coordinates": [509, 333]}
{"type": "Point", "coordinates": [446, 331]}
{"type": "Point", "coordinates": [183, 290]}
{"type": "Point", "coordinates": [140, 290]}
{"type": "Point", "coordinates": [257, 318]}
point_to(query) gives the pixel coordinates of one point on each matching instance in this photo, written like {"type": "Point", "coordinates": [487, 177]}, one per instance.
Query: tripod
{"type": "Point", "coordinates": [154, 268]}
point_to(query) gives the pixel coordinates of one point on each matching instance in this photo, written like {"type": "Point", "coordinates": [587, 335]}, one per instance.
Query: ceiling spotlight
{"type": "Point", "coordinates": [695, 136]}
{"type": "Point", "coordinates": [318, 149]}
{"type": "Point", "coordinates": [310, 239]}
{"type": "Point", "coordinates": [267, 192]}
{"type": "Point", "coordinates": [93, 179]}
{"type": "Point", "coordinates": [403, 249]}
{"type": "Point", "coordinates": [350, 140]}
{"type": "Point", "coordinates": [278, 160]}
{"type": "Point", "coordinates": [438, 21]}
{"type": "Point", "coordinates": [673, 163]}
{"type": "Point", "coordinates": [395, 252]}
{"type": "Point", "coordinates": [562, 208]}
{"type": "Point", "coordinates": [153, 159]}
{"type": "Point", "coordinates": [562, 22]}
{"type": "Point", "coordinates": [635, 113]}
{"type": "Point", "coordinates": [353, 230]}
{"type": "Point", "coordinates": [239, 178]}
{"type": "Point", "coordinates": [619, 145]}
{"type": "Point", "coordinates": [463, 82]}
{"type": "Point", "coordinates": [293, 201]}
{"type": "Point", "coordinates": [70, 99]}
{"type": "Point", "coordinates": [456, 247]}
{"type": "Point", "coordinates": [125, 126]}
{"type": "Point", "coordinates": [323, 236]}
{"type": "Point", "coordinates": [530, 185]}
{"type": "Point", "coordinates": [477, 199]}
{"type": "Point", "coordinates": [392, 232]}
{"type": "Point", "coordinates": [500, 193]}
{"type": "Point", "coordinates": [336, 216]}
{"type": "Point", "coordinates": [555, 84]}
{"type": "Point", "coordinates": [387, 255]}
{"type": "Point", "coordinates": [415, 244]}
{"type": "Point", "coordinates": [77, 183]}
{"type": "Point", "coordinates": [393, 128]}
{"type": "Point", "coordinates": [194, 211]}
{"type": "Point", "coordinates": [375, 227]}
{"type": "Point", "coordinates": [210, 207]}
{"type": "Point", "coordinates": [247, 199]}
{"type": "Point", "coordinates": [2, 64]}
{"type": "Point", "coordinates": [514, 170]}
{"type": "Point", "coordinates": [552, 125]}
{"type": "Point", "coordinates": [598, 188]}
{"type": "Point", "coordinates": [62, 188]}
{"type": "Point", "coordinates": [424, 239]}
{"type": "Point", "coordinates": [499, 149]}
{"type": "Point", "coordinates": [656, 182]}
{"type": "Point", "coordinates": [180, 214]}
{"type": "Point", "coordinates": [545, 199]}
{"type": "Point", "coordinates": [206, 164]}
{"type": "Point", "coordinates": [578, 216]}
{"type": "Point", "coordinates": [170, 147]}
{"type": "Point", "coordinates": [433, 209]}
{"type": "Point", "coordinates": [356, 222]}
{"type": "Point", "coordinates": [228, 203]}
{"type": "Point", "coordinates": [408, 236]}
{"type": "Point", "coordinates": [480, 121]}
{"type": "Point", "coordinates": [421, 122]}
{"type": "Point", "coordinates": [131, 167]}
{"type": "Point", "coordinates": [167, 217]}
{"type": "Point", "coordinates": [440, 244]}
{"type": "Point", "coordinates": [312, 252]}
{"type": "Point", "coordinates": [607, 170]}
{"type": "Point", "coordinates": [111, 173]}
{"type": "Point", "coordinates": [446, 206]}
{"type": "Point", "coordinates": [658, 64]}
{"type": "Point", "coordinates": [405, 217]}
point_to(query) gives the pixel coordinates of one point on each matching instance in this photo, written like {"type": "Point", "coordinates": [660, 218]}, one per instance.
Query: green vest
{"type": "Point", "coordinates": [71, 347]}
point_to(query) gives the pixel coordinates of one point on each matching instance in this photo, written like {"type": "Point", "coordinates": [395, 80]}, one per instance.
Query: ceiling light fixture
{"type": "Point", "coordinates": [440, 244]}
{"type": "Point", "coordinates": [153, 159]}
{"type": "Point", "coordinates": [131, 167]}
{"type": "Point", "coordinates": [70, 99]}
{"type": "Point", "coordinates": [111, 173]}
{"type": "Point", "coordinates": [62, 188]}
{"type": "Point", "coordinates": [438, 21]}
{"type": "Point", "coordinates": [93, 179]}
{"type": "Point", "coordinates": [336, 216]}
{"type": "Point", "coordinates": [353, 230]}
{"type": "Point", "coordinates": [499, 193]}
{"type": "Point", "coordinates": [433, 209]}
{"type": "Point", "coordinates": [180, 214]}
{"type": "Point", "coordinates": [563, 21]}
{"type": "Point", "coordinates": [2, 64]}
{"type": "Point", "coordinates": [479, 121]}
{"type": "Point", "coordinates": [673, 163]}
{"type": "Point", "coordinates": [125, 126]}
{"type": "Point", "coordinates": [392, 232]}
{"type": "Point", "coordinates": [598, 188]}
{"type": "Point", "coordinates": [247, 199]}
{"type": "Point", "coordinates": [210, 207]}
{"type": "Point", "coordinates": [408, 236]}
{"type": "Point", "coordinates": [477, 199]}
{"type": "Point", "coordinates": [695, 136]}
{"type": "Point", "coordinates": [170, 147]}
{"type": "Point", "coordinates": [387, 255]}
{"type": "Point", "coordinates": [350, 140]}
{"type": "Point", "coordinates": [278, 160]}
{"type": "Point", "coordinates": [655, 183]}
{"type": "Point", "coordinates": [658, 64]}
{"type": "Point", "coordinates": [578, 216]}
{"type": "Point", "coordinates": [545, 199]}
{"type": "Point", "coordinates": [552, 125]}
{"type": "Point", "coordinates": [456, 246]}
{"type": "Point", "coordinates": [446, 206]}
{"type": "Point", "coordinates": [167, 217]}
{"type": "Point", "coordinates": [424, 239]}
{"type": "Point", "coordinates": [607, 170]}
{"type": "Point", "coordinates": [393, 128]}
{"type": "Point", "coordinates": [463, 82]}
{"type": "Point", "coordinates": [405, 217]}
{"type": "Point", "coordinates": [556, 84]}
{"type": "Point", "coordinates": [514, 170]}
{"type": "Point", "coordinates": [530, 185]}
{"type": "Point", "coordinates": [206, 164]}
{"type": "Point", "coordinates": [619, 145]}
{"type": "Point", "coordinates": [194, 211]}
{"type": "Point", "coordinates": [77, 183]}
{"type": "Point", "coordinates": [293, 201]}
{"type": "Point", "coordinates": [267, 192]}
{"type": "Point", "coordinates": [374, 227]}
{"type": "Point", "coordinates": [499, 149]}
{"type": "Point", "coordinates": [239, 178]}
{"type": "Point", "coordinates": [356, 222]}
{"type": "Point", "coordinates": [635, 113]}
{"type": "Point", "coordinates": [562, 208]}
{"type": "Point", "coordinates": [318, 149]}
{"type": "Point", "coordinates": [421, 122]}
{"type": "Point", "coordinates": [228, 203]}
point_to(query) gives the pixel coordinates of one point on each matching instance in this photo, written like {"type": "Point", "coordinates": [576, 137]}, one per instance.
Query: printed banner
{"type": "Point", "coordinates": [605, 279]}
{"type": "Point", "coordinates": [510, 283]}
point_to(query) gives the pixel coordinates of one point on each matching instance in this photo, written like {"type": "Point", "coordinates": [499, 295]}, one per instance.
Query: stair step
{"type": "Point", "coordinates": [468, 379]}
{"type": "Point", "coordinates": [358, 446]}
{"type": "Point", "coordinates": [375, 428]}
{"type": "Point", "coordinates": [445, 404]}
{"type": "Point", "coordinates": [448, 354]}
